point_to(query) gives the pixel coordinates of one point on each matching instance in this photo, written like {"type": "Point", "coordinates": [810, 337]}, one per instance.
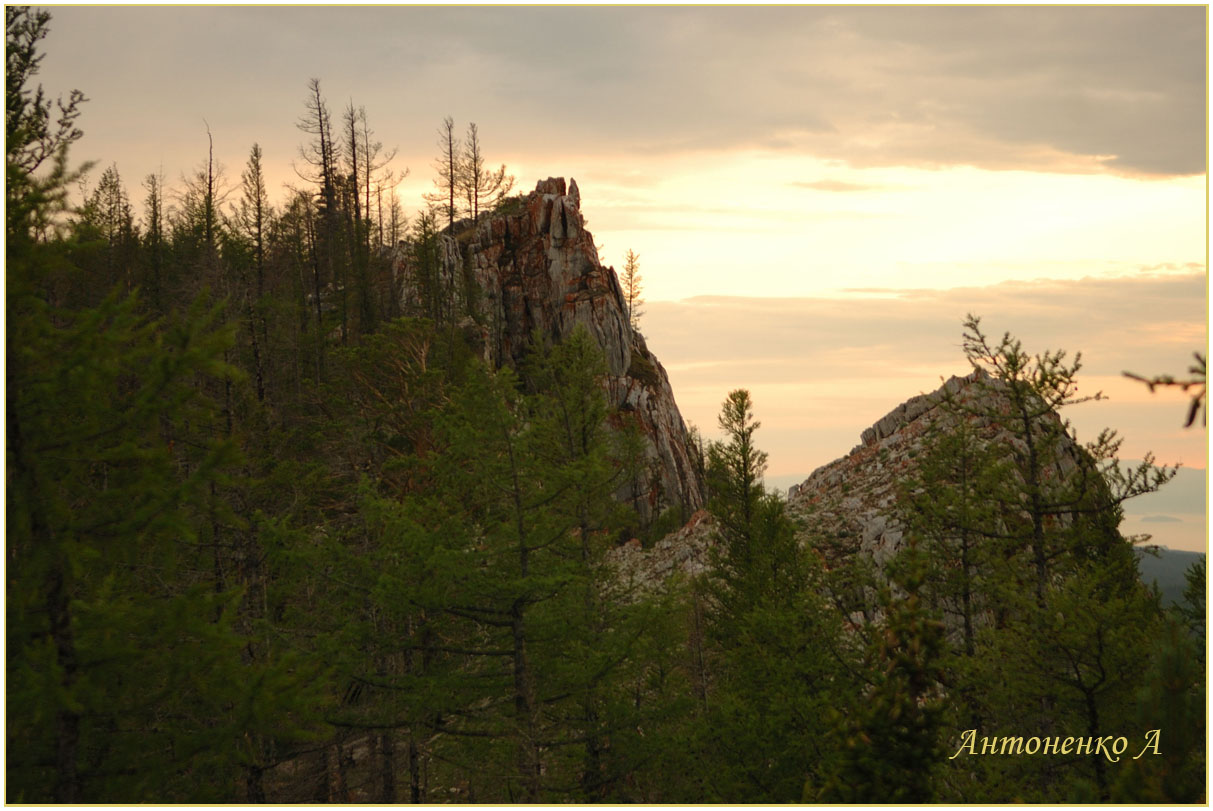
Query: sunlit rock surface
{"type": "Point", "coordinates": [537, 272]}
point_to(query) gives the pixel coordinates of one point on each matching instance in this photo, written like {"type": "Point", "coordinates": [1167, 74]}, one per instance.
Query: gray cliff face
{"type": "Point", "coordinates": [536, 271]}
{"type": "Point", "coordinates": [850, 506]}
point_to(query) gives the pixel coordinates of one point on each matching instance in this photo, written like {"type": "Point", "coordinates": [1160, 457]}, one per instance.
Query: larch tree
{"type": "Point", "coordinates": [376, 176]}
{"type": "Point", "coordinates": [154, 238]}
{"type": "Point", "coordinates": [37, 175]}
{"type": "Point", "coordinates": [252, 218]}
{"type": "Point", "coordinates": [1023, 519]}
{"type": "Point", "coordinates": [890, 744]}
{"type": "Point", "coordinates": [632, 289]}
{"type": "Point", "coordinates": [320, 154]}
{"type": "Point", "coordinates": [481, 188]}
{"type": "Point", "coordinates": [123, 668]}
{"type": "Point", "coordinates": [357, 227]}
{"type": "Point", "coordinates": [768, 628]}
{"type": "Point", "coordinates": [197, 227]}
{"type": "Point", "coordinates": [450, 167]}
{"type": "Point", "coordinates": [107, 217]}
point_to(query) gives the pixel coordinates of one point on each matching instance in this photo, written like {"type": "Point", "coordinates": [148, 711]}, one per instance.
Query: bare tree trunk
{"type": "Point", "coordinates": [254, 788]}
{"type": "Point", "coordinates": [415, 788]}
{"type": "Point", "coordinates": [320, 789]}
{"type": "Point", "coordinates": [387, 768]}
{"type": "Point", "coordinates": [67, 722]}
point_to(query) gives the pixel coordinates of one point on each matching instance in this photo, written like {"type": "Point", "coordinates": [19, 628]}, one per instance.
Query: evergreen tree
{"type": "Point", "coordinates": [1172, 699]}
{"type": "Point", "coordinates": [100, 546]}
{"type": "Point", "coordinates": [125, 663]}
{"type": "Point", "coordinates": [154, 242]}
{"type": "Point", "coordinates": [1071, 498]}
{"type": "Point", "coordinates": [321, 155]}
{"type": "Point", "coordinates": [891, 745]}
{"type": "Point", "coordinates": [107, 236]}
{"type": "Point", "coordinates": [774, 644]}
{"type": "Point", "coordinates": [523, 490]}
{"type": "Point", "coordinates": [37, 175]}
{"type": "Point", "coordinates": [252, 221]}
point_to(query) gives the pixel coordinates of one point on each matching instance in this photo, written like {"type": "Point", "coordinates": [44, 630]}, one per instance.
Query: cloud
{"type": "Point", "coordinates": [1086, 89]}
{"type": "Point", "coordinates": [1118, 323]}
{"type": "Point", "coordinates": [833, 185]}
{"type": "Point", "coordinates": [822, 370]}
{"type": "Point", "coordinates": [1172, 267]}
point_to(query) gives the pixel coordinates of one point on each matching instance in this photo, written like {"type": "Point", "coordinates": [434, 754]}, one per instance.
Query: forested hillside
{"type": "Point", "coordinates": [313, 501]}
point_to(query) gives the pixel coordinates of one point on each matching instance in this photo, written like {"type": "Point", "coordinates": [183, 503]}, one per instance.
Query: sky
{"type": "Point", "coordinates": [818, 195]}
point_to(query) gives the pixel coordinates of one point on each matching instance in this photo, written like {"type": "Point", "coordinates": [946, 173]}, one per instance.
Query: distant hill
{"type": "Point", "coordinates": [1167, 570]}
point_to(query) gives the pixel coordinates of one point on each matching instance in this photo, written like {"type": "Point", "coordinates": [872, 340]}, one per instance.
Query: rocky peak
{"type": "Point", "coordinates": [535, 271]}
{"type": "Point", "coordinates": [852, 500]}
{"type": "Point", "coordinates": [850, 505]}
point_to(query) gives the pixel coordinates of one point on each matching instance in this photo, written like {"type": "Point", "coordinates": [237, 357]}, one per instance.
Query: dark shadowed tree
{"type": "Point", "coordinates": [449, 166]}
{"type": "Point", "coordinates": [320, 159]}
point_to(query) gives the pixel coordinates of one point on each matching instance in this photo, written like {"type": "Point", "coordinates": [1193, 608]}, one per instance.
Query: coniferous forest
{"type": "Point", "coordinates": [280, 529]}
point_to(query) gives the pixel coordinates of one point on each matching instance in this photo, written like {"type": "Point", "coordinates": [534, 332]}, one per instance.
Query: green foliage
{"type": "Point", "coordinates": [268, 540]}
{"type": "Point", "coordinates": [669, 521]}
{"type": "Point", "coordinates": [734, 478]}
{"type": "Point", "coordinates": [1192, 611]}
{"type": "Point", "coordinates": [946, 508]}
{"type": "Point", "coordinates": [508, 206]}
{"type": "Point", "coordinates": [641, 368]}
{"type": "Point", "coordinates": [36, 142]}
{"type": "Point", "coordinates": [1172, 700]}
{"type": "Point", "coordinates": [891, 744]}
{"type": "Point", "coordinates": [101, 516]}
{"type": "Point", "coordinates": [1050, 626]}
{"type": "Point", "coordinates": [772, 639]}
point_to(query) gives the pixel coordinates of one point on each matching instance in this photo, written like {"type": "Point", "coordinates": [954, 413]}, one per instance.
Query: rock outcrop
{"type": "Point", "coordinates": [685, 551]}
{"type": "Point", "coordinates": [850, 504]}
{"type": "Point", "coordinates": [532, 269]}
